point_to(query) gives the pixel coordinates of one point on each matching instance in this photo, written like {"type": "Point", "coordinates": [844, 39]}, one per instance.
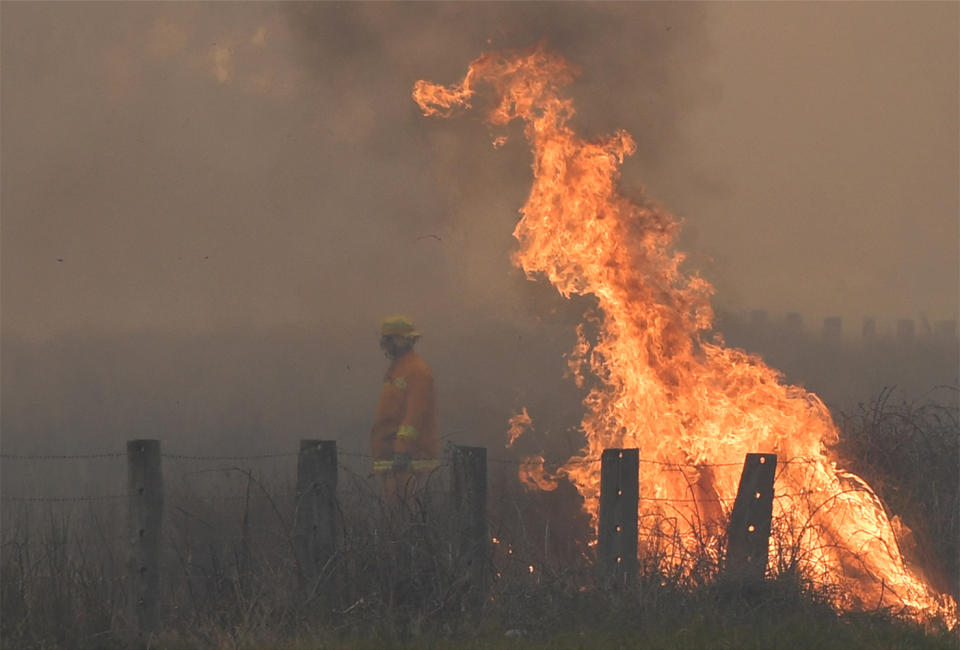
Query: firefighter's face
{"type": "Point", "coordinates": [395, 346]}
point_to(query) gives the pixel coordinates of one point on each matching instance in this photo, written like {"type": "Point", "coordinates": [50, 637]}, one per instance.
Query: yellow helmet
{"type": "Point", "coordinates": [398, 326]}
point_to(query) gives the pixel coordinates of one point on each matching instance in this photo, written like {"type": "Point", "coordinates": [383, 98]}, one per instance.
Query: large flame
{"type": "Point", "coordinates": [692, 406]}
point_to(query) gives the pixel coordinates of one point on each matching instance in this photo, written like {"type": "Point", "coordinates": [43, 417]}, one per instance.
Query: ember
{"type": "Point", "coordinates": [692, 406]}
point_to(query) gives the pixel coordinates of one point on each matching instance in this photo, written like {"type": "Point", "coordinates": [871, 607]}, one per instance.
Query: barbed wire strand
{"type": "Point", "coordinates": [496, 459]}
{"type": "Point", "coordinates": [111, 454]}
{"type": "Point", "coordinates": [798, 460]}
{"type": "Point", "coordinates": [104, 497]}
{"type": "Point", "coordinates": [249, 457]}
{"type": "Point", "coordinates": [294, 495]}
{"type": "Point", "coordinates": [502, 460]}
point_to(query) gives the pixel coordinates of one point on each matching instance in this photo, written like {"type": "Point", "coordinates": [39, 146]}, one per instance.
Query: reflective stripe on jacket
{"type": "Point", "coordinates": [381, 466]}
{"type": "Point", "coordinates": [419, 465]}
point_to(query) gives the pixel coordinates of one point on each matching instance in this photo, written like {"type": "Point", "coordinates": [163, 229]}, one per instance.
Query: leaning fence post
{"type": "Point", "coordinates": [144, 520]}
{"type": "Point", "coordinates": [315, 520]}
{"type": "Point", "coordinates": [617, 530]}
{"type": "Point", "coordinates": [470, 503]}
{"type": "Point", "coordinates": [748, 535]}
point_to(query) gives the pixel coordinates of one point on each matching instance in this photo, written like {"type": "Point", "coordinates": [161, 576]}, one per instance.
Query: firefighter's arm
{"type": "Point", "coordinates": [419, 389]}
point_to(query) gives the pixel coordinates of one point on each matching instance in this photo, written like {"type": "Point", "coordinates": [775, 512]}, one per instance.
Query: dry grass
{"type": "Point", "coordinates": [231, 579]}
{"type": "Point", "coordinates": [910, 454]}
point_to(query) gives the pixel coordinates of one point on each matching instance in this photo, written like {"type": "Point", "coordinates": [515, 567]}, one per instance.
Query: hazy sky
{"type": "Point", "coordinates": [196, 167]}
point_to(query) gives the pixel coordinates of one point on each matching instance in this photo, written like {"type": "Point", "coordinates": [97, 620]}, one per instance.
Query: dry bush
{"type": "Point", "coordinates": [910, 454]}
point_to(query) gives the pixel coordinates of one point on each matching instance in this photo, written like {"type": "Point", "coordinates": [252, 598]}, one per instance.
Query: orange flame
{"type": "Point", "coordinates": [534, 475]}
{"type": "Point", "coordinates": [519, 424]}
{"type": "Point", "coordinates": [692, 406]}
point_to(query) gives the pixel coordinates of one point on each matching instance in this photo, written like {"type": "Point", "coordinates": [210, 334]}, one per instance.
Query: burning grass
{"type": "Point", "coordinates": [656, 380]}
{"type": "Point", "coordinates": [896, 446]}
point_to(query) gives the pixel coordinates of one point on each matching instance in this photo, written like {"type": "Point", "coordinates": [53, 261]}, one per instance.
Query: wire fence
{"type": "Point", "coordinates": [192, 502]}
{"type": "Point", "coordinates": [572, 460]}
{"type": "Point", "coordinates": [230, 533]}
{"type": "Point", "coordinates": [500, 460]}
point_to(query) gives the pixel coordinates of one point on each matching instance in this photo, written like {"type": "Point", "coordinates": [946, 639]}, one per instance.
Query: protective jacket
{"type": "Point", "coordinates": [406, 416]}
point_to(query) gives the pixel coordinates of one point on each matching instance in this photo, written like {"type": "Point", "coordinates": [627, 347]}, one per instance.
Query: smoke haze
{"type": "Point", "coordinates": [206, 208]}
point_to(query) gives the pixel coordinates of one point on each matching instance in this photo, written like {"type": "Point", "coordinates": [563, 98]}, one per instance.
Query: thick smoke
{"type": "Point", "coordinates": [206, 211]}
{"type": "Point", "coordinates": [206, 208]}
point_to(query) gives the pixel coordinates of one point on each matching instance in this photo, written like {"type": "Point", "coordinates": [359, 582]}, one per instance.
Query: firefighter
{"type": "Point", "coordinates": [404, 439]}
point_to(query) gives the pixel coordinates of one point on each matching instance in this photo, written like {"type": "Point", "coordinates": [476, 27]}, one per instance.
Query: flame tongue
{"type": "Point", "coordinates": [519, 423]}
{"type": "Point", "coordinates": [692, 407]}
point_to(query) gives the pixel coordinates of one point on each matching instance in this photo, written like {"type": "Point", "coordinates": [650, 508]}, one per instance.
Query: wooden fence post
{"type": "Point", "coordinates": [315, 534]}
{"type": "Point", "coordinates": [144, 520]}
{"type": "Point", "coordinates": [748, 535]}
{"type": "Point", "coordinates": [470, 504]}
{"type": "Point", "coordinates": [617, 533]}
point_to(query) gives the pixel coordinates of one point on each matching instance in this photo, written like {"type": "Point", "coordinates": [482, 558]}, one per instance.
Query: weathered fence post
{"type": "Point", "coordinates": [315, 533]}
{"type": "Point", "coordinates": [748, 535]}
{"type": "Point", "coordinates": [617, 534]}
{"type": "Point", "coordinates": [470, 504]}
{"type": "Point", "coordinates": [144, 520]}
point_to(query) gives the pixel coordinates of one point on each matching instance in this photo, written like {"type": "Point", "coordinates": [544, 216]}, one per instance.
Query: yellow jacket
{"type": "Point", "coordinates": [406, 416]}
